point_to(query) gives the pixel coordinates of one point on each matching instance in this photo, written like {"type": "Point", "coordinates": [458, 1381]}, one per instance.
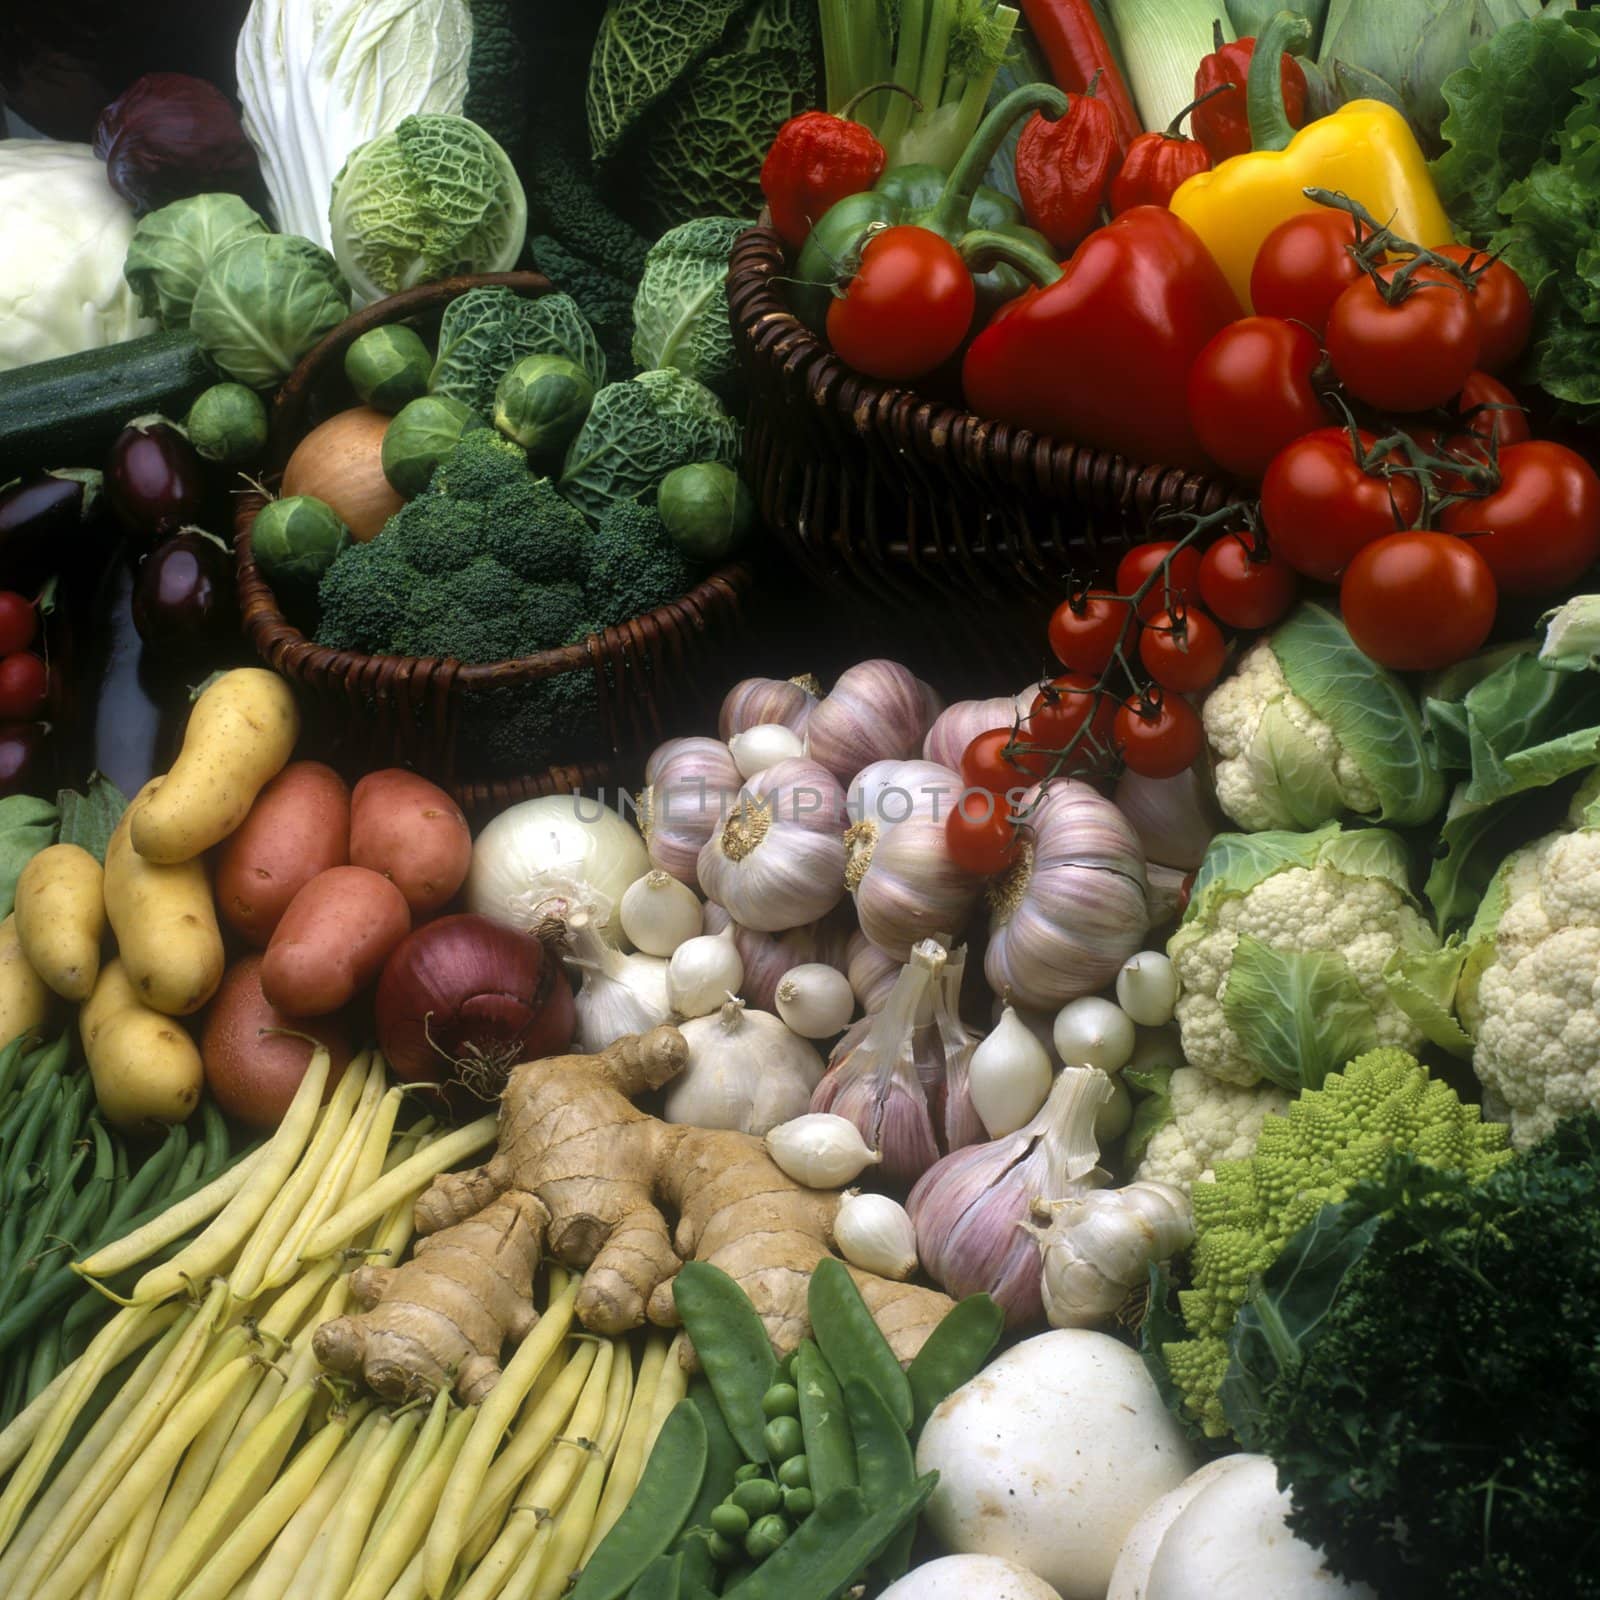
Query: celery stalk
{"type": "Point", "coordinates": [1163, 42]}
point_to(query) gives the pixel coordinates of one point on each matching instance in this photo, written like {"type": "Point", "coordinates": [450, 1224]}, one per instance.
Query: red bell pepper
{"type": "Point", "coordinates": [1065, 168]}
{"type": "Point", "coordinates": [1222, 124]}
{"type": "Point", "coordinates": [1075, 46]}
{"type": "Point", "coordinates": [1100, 352]}
{"type": "Point", "coordinates": [1158, 164]}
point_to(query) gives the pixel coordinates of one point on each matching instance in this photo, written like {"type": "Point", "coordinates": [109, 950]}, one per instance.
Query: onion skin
{"type": "Point", "coordinates": [462, 1000]}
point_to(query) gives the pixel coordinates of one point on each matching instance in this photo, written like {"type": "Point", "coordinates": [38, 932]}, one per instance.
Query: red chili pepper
{"type": "Point", "coordinates": [1101, 353]}
{"type": "Point", "coordinates": [1074, 44]}
{"type": "Point", "coordinates": [1158, 164]}
{"type": "Point", "coordinates": [1222, 124]}
{"type": "Point", "coordinates": [1065, 168]}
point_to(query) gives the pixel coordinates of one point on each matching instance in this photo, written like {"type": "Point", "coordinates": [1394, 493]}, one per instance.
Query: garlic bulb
{"type": "Point", "coordinates": [820, 1150]}
{"type": "Point", "coordinates": [1072, 909]}
{"type": "Point", "coordinates": [690, 787]}
{"type": "Point", "coordinates": [763, 746]}
{"type": "Point", "coordinates": [1147, 988]}
{"type": "Point", "coordinates": [1009, 1075]}
{"type": "Point", "coordinates": [959, 1122]}
{"type": "Point", "coordinates": [778, 861]}
{"type": "Point", "coordinates": [1092, 1032]}
{"type": "Point", "coordinates": [745, 1071]}
{"type": "Point", "coordinates": [958, 725]}
{"type": "Point", "coordinates": [876, 1234]}
{"type": "Point", "coordinates": [1168, 893]}
{"type": "Point", "coordinates": [619, 994]}
{"type": "Point", "coordinates": [877, 711]}
{"type": "Point", "coordinates": [703, 972]}
{"type": "Point", "coordinates": [659, 913]}
{"type": "Point", "coordinates": [767, 957]}
{"type": "Point", "coordinates": [816, 1001]}
{"type": "Point", "coordinates": [1100, 1246]}
{"type": "Point", "coordinates": [789, 701]}
{"type": "Point", "coordinates": [872, 1075]}
{"type": "Point", "coordinates": [1174, 818]}
{"type": "Point", "coordinates": [872, 973]}
{"type": "Point", "coordinates": [969, 1208]}
{"type": "Point", "coordinates": [899, 870]}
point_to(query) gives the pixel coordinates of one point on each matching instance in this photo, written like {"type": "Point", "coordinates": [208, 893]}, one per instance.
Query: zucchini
{"type": "Point", "coordinates": [65, 413]}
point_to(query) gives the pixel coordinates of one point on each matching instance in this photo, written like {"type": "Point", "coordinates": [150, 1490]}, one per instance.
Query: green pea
{"type": "Point", "coordinates": [731, 1520]}
{"type": "Point", "coordinates": [722, 1552]}
{"type": "Point", "coordinates": [766, 1538]}
{"type": "Point", "coordinates": [795, 1473]}
{"type": "Point", "coordinates": [748, 1471]}
{"type": "Point", "coordinates": [758, 1496]}
{"type": "Point", "coordinates": [781, 1400]}
{"type": "Point", "coordinates": [784, 1438]}
{"type": "Point", "coordinates": [799, 1503]}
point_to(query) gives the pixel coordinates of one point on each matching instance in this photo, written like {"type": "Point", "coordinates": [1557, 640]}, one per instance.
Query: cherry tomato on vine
{"type": "Point", "coordinates": [1250, 393]}
{"type": "Point", "coordinates": [986, 765]}
{"type": "Point", "coordinates": [24, 686]}
{"type": "Point", "coordinates": [979, 835]}
{"type": "Point", "coordinates": [1539, 529]}
{"type": "Point", "coordinates": [1062, 707]}
{"type": "Point", "coordinates": [1490, 411]}
{"type": "Point", "coordinates": [1183, 653]}
{"type": "Point", "coordinates": [18, 622]}
{"type": "Point", "coordinates": [1244, 584]}
{"type": "Point", "coordinates": [1180, 585]}
{"type": "Point", "coordinates": [1158, 735]}
{"type": "Point", "coordinates": [908, 307]}
{"type": "Point", "coordinates": [1303, 266]}
{"type": "Point", "coordinates": [1408, 354]}
{"type": "Point", "coordinates": [1503, 305]}
{"type": "Point", "coordinates": [1320, 507]}
{"type": "Point", "coordinates": [1418, 601]}
{"type": "Point", "coordinates": [1085, 631]}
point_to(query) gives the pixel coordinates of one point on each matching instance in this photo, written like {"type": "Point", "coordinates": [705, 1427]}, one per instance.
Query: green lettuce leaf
{"type": "Point", "coordinates": [88, 820]}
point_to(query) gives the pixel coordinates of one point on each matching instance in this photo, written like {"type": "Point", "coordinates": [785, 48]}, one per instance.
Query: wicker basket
{"type": "Point", "coordinates": [655, 675]}
{"type": "Point", "coordinates": [877, 490]}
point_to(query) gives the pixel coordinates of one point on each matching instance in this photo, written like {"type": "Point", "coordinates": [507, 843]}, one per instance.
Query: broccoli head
{"type": "Point", "coordinates": [536, 534]}
{"type": "Point", "coordinates": [633, 564]}
{"type": "Point", "coordinates": [362, 596]}
{"type": "Point", "coordinates": [523, 728]}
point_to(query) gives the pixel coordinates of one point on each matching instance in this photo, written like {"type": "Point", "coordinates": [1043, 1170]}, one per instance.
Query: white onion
{"type": "Point", "coordinates": [658, 913]}
{"type": "Point", "coordinates": [703, 972]}
{"type": "Point", "coordinates": [1147, 988]}
{"type": "Point", "coordinates": [815, 1000]}
{"type": "Point", "coordinates": [820, 1150]}
{"type": "Point", "coordinates": [763, 746]}
{"type": "Point", "coordinates": [876, 1234]}
{"type": "Point", "coordinates": [1092, 1032]}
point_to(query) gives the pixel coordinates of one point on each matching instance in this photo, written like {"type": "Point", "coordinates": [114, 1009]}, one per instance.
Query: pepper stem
{"type": "Point", "coordinates": [847, 110]}
{"type": "Point", "coordinates": [984, 248]}
{"type": "Point", "coordinates": [949, 215]}
{"type": "Point", "coordinates": [1174, 129]}
{"type": "Point", "coordinates": [1286, 34]}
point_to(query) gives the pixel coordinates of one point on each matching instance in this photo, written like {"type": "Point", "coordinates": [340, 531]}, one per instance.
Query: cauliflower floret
{"type": "Point", "coordinates": [1364, 919]}
{"type": "Point", "coordinates": [1212, 1121]}
{"type": "Point", "coordinates": [1536, 1003]}
{"type": "Point", "coordinates": [1260, 772]}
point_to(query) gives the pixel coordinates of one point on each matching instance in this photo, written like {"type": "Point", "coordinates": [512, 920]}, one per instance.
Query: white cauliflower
{"type": "Point", "coordinates": [1212, 1121]}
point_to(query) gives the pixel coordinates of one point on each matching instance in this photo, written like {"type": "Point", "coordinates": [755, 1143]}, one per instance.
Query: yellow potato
{"type": "Point", "coordinates": [165, 923]}
{"type": "Point", "coordinates": [25, 999]}
{"type": "Point", "coordinates": [61, 918]}
{"type": "Point", "coordinates": [145, 1067]}
{"type": "Point", "coordinates": [241, 734]}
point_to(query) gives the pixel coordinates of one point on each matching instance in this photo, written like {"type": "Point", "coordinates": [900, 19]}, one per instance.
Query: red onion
{"type": "Point", "coordinates": [168, 136]}
{"type": "Point", "coordinates": [462, 1000]}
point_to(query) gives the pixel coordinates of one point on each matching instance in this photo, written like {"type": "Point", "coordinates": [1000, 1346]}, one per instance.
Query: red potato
{"type": "Point", "coordinates": [412, 832]}
{"type": "Point", "coordinates": [332, 941]}
{"type": "Point", "coordinates": [253, 1073]}
{"type": "Point", "coordinates": [298, 827]}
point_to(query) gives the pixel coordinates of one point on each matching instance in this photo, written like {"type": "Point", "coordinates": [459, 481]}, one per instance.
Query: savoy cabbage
{"type": "Point", "coordinates": [680, 314]}
{"type": "Point", "coordinates": [486, 332]}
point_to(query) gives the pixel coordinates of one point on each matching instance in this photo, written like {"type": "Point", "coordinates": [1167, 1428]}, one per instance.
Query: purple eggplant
{"type": "Point", "coordinates": [155, 480]}
{"type": "Point", "coordinates": [183, 595]}
{"type": "Point", "coordinates": [20, 745]}
{"type": "Point", "coordinates": [49, 523]}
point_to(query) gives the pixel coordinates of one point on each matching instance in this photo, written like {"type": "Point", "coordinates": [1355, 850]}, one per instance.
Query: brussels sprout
{"type": "Point", "coordinates": [541, 403]}
{"type": "Point", "coordinates": [420, 437]}
{"type": "Point", "coordinates": [388, 366]}
{"type": "Point", "coordinates": [172, 249]}
{"type": "Point", "coordinates": [294, 541]}
{"type": "Point", "coordinates": [228, 423]}
{"type": "Point", "coordinates": [706, 508]}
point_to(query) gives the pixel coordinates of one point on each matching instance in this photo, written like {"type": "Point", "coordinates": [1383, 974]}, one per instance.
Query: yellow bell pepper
{"type": "Point", "coordinates": [1365, 150]}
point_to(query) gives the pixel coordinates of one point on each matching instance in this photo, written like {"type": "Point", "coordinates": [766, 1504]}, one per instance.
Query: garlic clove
{"type": "Point", "coordinates": [1009, 1076]}
{"type": "Point", "coordinates": [820, 1150]}
{"type": "Point", "coordinates": [659, 913]}
{"type": "Point", "coordinates": [763, 746]}
{"type": "Point", "coordinates": [703, 971]}
{"type": "Point", "coordinates": [876, 1234]}
{"type": "Point", "coordinates": [815, 1000]}
{"type": "Point", "coordinates": [1147, 988]}
{"type": "Point", "coordinates": [1092, 1032]}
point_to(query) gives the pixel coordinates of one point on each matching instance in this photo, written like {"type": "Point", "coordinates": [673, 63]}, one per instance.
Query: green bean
{"type": "Point", "coordinates": [10, 1064]}
{"type": "Point", "coordinates": [69, 1124]}
{"type": "Point", "coordinates": [46, 1062]}
{"type": "Point", "coordinates": [833, 1546]}
{"type": "Point", "coordinates": [16, 1389]}
{"type": "Point", "coordinates": [823, 1423]}
{"type": "Point", "coordinates": [732, 1344]}
{"type": "Point", "coordinates": [885, 1466]}
{"type": "Point", "coordinates": [722, 1456]}
{"type": "Point", "coordinates": [42, 1101]}
{"type": "Point", "coordinates": [42, 1219]}
{"type": "Point", "coordinates": [214, 1139]}
{"type": "Point", "coordinates": [851, 1340]}
{"type": "Point", "coordinates": [954, 1354]}
{"type": "Point", "coordinates": [46, 1361]}
{"type": "Point", "coordinates": [656, 1511]}
{"type": "Point", "coordinates": [14, 1208]}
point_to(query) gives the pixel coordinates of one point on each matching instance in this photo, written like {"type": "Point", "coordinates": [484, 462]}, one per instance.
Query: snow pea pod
{"type": "Point", "coordinates": [954, 1354]}
{"type": "Point", "coordinates": [852, 1341]}
{"type": "Point", "coordinates": [885, 1467]}
{"type": "Point", "coordinates": [734, 1350]}
{"type": "Point", "coordinates": [722, 1457]}
{"type": "Point", "coordinates": [830, 1454]}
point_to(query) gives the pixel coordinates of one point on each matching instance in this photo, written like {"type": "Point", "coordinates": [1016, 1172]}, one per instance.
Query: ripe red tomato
{"type": "Point", "coordinates": [1085, 631]}
{"type": "Point", "coordinates": [979, 835]}
{"type": "Point", "coordinates": [1062, 706]}
{"type": "Point", "coordinates": [1503, 304]}
{"type": "Point", "coordinates": [1539, 530]}
{"type": "Point", "coordinates": [1303, 266]}
{"type": "Point", "coordinates": [1418, 601]}
{"type": "Point", "coordinates": [1490, 411]}
{"type": "Point", "coordinates": [1158, 735]}
{"type": "Point", "coordinates": [1250, 393]}
{"type": "Point", "coordinates": [24, 686]}
{"type": "Point", "coordinates": [1183, 653]}
{"type": "Point", "coordinates": [1180, 586]}
{"type": "Point", "coordinates": [986, 765]}
{"type": "Point", "coordinates": [907, 309]}
{"type": "Point", "coordinates": [1246, 584]}
{"type": "Point", "coordinates": [18, 622]}
{"type": "Point", "coordinates": [1409, 354]}
{"type": "Point", "coordinates": [1319, 507]}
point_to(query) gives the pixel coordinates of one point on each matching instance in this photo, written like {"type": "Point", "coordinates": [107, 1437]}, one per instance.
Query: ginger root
{"type": "Point", "coordinates": [587, 1175]}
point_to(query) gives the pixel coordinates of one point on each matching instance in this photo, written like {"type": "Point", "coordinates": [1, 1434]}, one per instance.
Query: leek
{"type": "Point", "coordinates": [946, 52]}
{"type": "Point", "coordinates": [1163, 42]}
